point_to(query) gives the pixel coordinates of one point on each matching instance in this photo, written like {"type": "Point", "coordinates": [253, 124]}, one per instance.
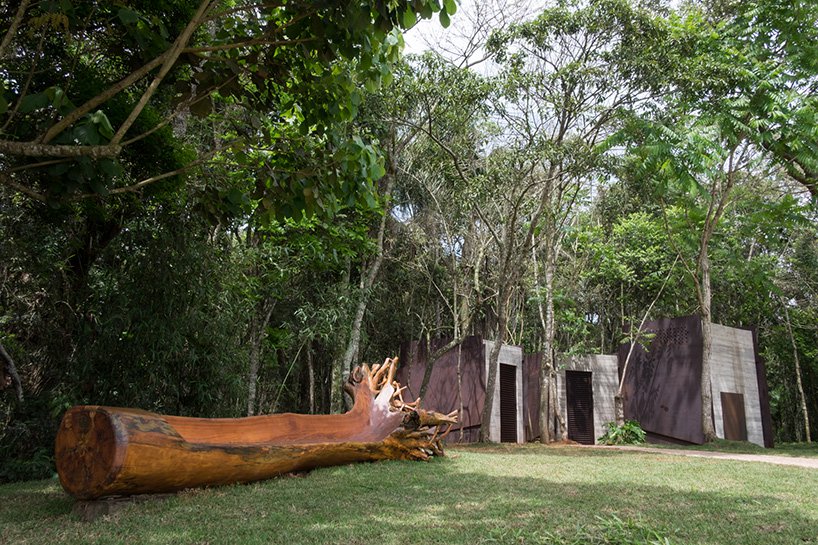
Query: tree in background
{"type": "Point", "coordinates": [134, 137]}
{"type": "Point", "coordinates": [565, 86]}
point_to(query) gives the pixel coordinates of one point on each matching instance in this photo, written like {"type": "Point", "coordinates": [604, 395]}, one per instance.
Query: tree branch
{"type": "Point", "coordinates": [101, 98]}
{"type": "Point", "coordinates": [18, 18]}
{"type": "Point", "coordinates": [34, 149]}
{"type": "Point", "coordinates": [246, 43]}
{"type": "Point", "coordinates": [170, 58]}
{"type": "Point", "coordinates": [6, 180]}
{"type": "Point", "coordinates": [15, 377]}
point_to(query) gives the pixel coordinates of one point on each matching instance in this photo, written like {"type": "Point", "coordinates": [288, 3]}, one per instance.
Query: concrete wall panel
{"type": "Point", "coordinates": [605, 380]}
{"type": "Point", "coordinates": [733, 370]}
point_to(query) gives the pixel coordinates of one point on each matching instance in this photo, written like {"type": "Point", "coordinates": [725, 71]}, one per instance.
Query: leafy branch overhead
{"type": "Point", "coordinates": [89, 90]}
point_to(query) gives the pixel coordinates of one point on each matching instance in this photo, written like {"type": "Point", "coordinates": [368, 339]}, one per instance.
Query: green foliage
{"type": "Point", "coordinates": [279, 103]}
{"type": "Point", "coordinates": [629, 433]}
{"type": "Point", "coordinates": [40, 465]}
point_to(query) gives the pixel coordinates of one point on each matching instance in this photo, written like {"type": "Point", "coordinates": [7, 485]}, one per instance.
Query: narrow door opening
{"type": "Point", "coordinates": [580, 401]}
{"type": "Point", "coordinates": [508, 403]}
{"type": "Point", "coordinates": [732, 414]}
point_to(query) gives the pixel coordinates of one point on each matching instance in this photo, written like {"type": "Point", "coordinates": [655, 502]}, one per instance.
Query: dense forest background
{"type": "Point", "coordinates": [217, 208]}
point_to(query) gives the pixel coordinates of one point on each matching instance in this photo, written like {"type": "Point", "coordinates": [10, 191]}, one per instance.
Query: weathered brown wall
{"type": "Point", "coordinates": [443, 382]}
{"type": "Point", "coordinates": [662, 388]}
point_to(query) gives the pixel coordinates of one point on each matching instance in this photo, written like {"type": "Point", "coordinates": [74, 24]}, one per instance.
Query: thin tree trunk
{"type": "Point", "coordinates": [798, 381]}
{"type": "Point", "coordinates": [491, 381]}
{"type": "Point", "coordinates": [549, 401]}
{"type": "Point", "coordinates": [432, 359]}
{"type": "Point", "coordinates": [15, 23]}
{"type": "Point", "coordinates": [460, 385]}
{"type": "Point", "coordinates": [708, 429]}
{"type": "Point", "coordinates": [12, 369]}
{"type": "Point", "coordinates": [560, 432]}
{"type": "Point", "coordinates": [366, 292]}
{"type": "Point", "coordinates": [258, 332]}
{"type": "Point", "coordinates": [545, 375]}
{"type": "Point", "coordinates": [311, 373]}
{"type": "Point", "coordinates": [336, 371]}
{"type": "Point", "coordinates": [619, 400]}
{"type": "Point", "coordinates": [494, 357]}
{"type": "Point", "coordinates": [550, 332]}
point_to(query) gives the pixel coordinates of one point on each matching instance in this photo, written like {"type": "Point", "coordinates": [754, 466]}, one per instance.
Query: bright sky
{"type": "Point", "coordinates": [471, 25]}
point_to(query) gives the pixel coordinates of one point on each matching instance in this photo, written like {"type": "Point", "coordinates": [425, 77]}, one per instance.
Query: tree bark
{"type": "Point", "coordinates": [504, 297]}
{"type": "Point", "coordinates": [491, 381]}
{"type": "Point", "coordinates": [708, 429]}
{"type": "Point", "coordinates": [12, 370]}
{"type": "Point", "coordinates": [798, 380]}
{"type": "Point", "coordinates": [553, 411]}
{"type": "Point", "coordinates": [104, 451]}
{"type": "Point", "coordinates": [432, 359]}
{"type": "Point", "coordinates": [15, 23]}
{"type": "Point", "coordinates": [368, 282]}
{"type": "Point", "coordinates": [257, 334]}
{"type": "Point", "coordinates": [311, 377]}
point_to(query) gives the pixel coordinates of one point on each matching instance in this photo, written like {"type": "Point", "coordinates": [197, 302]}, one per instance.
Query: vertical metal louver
{"type": "Point", "coordinates": [508, 403]}
{"type": "Point", "coordinates": [580, 400]}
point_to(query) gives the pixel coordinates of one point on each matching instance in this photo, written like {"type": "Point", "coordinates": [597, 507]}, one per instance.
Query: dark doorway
{"type": "Point", "coordinates": [732, 415]}
{"type": "Point", "coordinates": [580, 400]}
{"type": "Point", "coordinates": [508, 403]}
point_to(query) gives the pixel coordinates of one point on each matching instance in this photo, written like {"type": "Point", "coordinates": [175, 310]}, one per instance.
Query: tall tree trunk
{"type": "Point", "coordinates": [719, 195]}
{"type": "Point", "coordinates": [311, 374]}
{"type": "Point", "coordinates": [708, 429]}
{"type": "Point", "coordinates": [798, 381]}
{"type": "Point", "coordinates": [619, 400]}
{"type": "Point", "coordinates": [257, 334]}
{"type": "Point", "coordinates": [368, 282]}
{"type": "Point", "coordinates": [549, 400]}
{"type": "Point", "coordinates": [549, 350]}
{"type": "Point", "coordinates": [494, 357]}
{"type": "Point", "coordinates": [460, 385]}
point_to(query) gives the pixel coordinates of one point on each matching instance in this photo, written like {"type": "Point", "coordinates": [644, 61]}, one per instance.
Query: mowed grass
{"type": "Point", "coordinates": [800, 450]}
{"type": "Point", "coordinates": [497, 494]}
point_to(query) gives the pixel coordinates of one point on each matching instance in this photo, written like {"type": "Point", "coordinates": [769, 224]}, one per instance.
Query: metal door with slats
{"type": "Point", "coordinates": [508, 403]}
{"type": "Point", "coordinates": [580, 399]}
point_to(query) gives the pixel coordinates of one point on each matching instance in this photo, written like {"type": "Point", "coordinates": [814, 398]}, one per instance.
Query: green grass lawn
{"type": "Point", "coordinates": [801, 450]}
{"type": "Point", "coordinates": [478, 495]}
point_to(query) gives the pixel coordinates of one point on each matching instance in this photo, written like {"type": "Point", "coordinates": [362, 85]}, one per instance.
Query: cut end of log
{"type": "Point", "coordinates": [89, 450]}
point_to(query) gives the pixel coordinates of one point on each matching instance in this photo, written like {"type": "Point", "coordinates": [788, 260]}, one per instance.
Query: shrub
{"type": "Point", "coordinates": [629, 433]}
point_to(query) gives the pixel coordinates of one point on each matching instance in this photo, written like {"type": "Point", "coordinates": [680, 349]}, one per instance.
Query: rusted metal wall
{"type": "Point", "coordinates": [663, 384]}
{"type": "Point", "coordinates": [443, 393]}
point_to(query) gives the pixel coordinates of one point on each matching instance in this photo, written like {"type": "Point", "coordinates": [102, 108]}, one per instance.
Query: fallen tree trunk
{"type": "Point", "coordinates": [106, 451]}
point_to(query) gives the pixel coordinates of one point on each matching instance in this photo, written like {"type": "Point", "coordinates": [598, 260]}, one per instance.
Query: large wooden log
{"type": "Point", "coordinates": [105, 451]}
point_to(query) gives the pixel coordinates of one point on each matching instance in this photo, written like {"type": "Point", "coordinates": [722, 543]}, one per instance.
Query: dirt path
{"type": "Point", "coordinates": [811, 463]}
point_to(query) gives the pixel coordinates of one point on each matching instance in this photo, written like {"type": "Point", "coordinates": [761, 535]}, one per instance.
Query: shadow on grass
{"type": "Point", "coordinates": [477, 496]}
{"type": "Point", "coordinates": [33, 501]}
